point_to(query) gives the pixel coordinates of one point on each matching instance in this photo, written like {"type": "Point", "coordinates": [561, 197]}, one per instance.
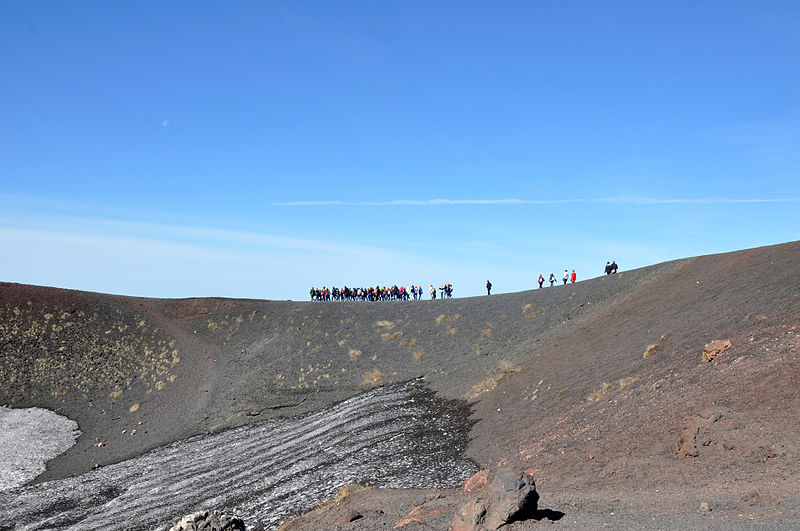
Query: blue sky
{"type": "Point", "coordinates": [253, 149]}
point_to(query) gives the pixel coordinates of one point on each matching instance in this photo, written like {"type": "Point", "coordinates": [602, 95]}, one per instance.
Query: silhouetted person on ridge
{"type": "Point", "coordinates": [553, 279]}
{"type": "Point", "coordinates": [488, 288]}
{"type": "Point", "coordinates": [608, 268]}
{"type": "Point", "coordinates": [541, 280]}
{"type": "Point", "coordinates": [613, 267]}
{"type": "Point", "coordinates": [566, 276]}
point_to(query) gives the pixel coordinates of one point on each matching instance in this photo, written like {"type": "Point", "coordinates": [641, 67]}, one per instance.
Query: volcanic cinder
{"type": "Point", "coordinates": [600, 389]}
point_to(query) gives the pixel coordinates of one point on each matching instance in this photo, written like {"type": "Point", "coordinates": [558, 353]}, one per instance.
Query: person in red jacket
{"type": "Point", "coordinates": [573, 277]}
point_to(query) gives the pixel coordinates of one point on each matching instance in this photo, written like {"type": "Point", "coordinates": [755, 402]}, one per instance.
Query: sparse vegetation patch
{"type": "Point", "coordinates": [650, 350]}
{"type": "Point", "coordinates": [372, 378]}
{"type": "Point", "coordinates": [448, 318]}
{"type": "Point", "coordinates": [80, 351]}
{"type": "Point", "coordinates": [391, 337]}
{"type": "Point", "coordinates": [600, 393]}
{"type": "Point", "coordinates": [504, 369]}
{"type": "Point", "coordinates": [114, 395]}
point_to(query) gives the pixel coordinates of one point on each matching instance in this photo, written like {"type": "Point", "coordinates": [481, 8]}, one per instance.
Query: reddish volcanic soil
{"type": "Point", "coordinates": [598, 388]}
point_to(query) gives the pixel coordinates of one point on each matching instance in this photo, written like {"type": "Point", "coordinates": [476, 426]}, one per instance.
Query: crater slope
{"type": "Point", "coordinates": [599, 387]}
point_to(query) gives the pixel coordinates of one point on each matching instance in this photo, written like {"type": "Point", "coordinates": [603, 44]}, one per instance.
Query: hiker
{"type": "Point", "coordinates": [573, 277]}
{"type": "Point", "coordinates": [608, 268]}
{"type": "Point", "coordinates": [613, 267]}
{"type": "Point", "coordinates": [432, 291]}
{"type": "Point", "coordinates": [553, 279]}
{"type": "Point", "coordinates": [488, 288]}
{"type": "Point", "coordinates": [541, 280]}
{"type": "Point", "coordinates": [566, 276]}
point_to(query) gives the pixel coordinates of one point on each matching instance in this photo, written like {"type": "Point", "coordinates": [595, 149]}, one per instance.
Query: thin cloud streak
{"type": "Point", "coordinates": [514, 201]}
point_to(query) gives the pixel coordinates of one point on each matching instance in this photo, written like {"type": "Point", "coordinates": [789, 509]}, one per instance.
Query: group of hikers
{"type": "Point", "coordinates": [611, 269]}
{"type": "Point", "coordinates": [567, 277]}
{"type": "Point", "coordinates": [400, 293]}
{"type": "Point", "coordinates": [378, 293]}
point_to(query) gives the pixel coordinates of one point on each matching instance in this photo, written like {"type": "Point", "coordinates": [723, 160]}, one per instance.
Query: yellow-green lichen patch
{"type": "Point", "coordinates": [53, 351]}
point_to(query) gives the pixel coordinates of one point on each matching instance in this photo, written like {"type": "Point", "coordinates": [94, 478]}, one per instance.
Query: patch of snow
{"type": "Point", "coordinates": [28, 439]}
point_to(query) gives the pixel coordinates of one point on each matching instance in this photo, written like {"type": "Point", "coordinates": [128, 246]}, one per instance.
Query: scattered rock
{"type": "Point", "coordinates": [477, 483]}
{"type": "Point", "coordinates": [417, 514]}
{"type": "Point", "coordinates": [351, 516]}
{"type": "Point", "coordinates": [704, 508]}
{"type": "Point", "coordinates": [754, 498]}
{"type": "Point", "coordinates": [687, 440]}
{"type": "Point", "coordinates": [715, 348]}
{"type": "Point", "coordinates": [208, 521]}
{"type": "Point", "coordinates": [508, 496]}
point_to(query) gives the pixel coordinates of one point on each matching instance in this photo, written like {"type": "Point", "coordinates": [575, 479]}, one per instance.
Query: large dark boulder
{"type": "Point", "coordinates": [509, 495]}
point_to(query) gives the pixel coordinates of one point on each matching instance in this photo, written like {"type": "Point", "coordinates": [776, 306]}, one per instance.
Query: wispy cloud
{"type": "Point", "coordinates": [426, 202]}
{"type": "Point", "coordinates": [517, 201]}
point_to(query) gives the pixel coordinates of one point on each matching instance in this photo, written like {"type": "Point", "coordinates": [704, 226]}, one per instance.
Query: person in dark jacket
{"type": "Point", "coordinates": [488, 288]}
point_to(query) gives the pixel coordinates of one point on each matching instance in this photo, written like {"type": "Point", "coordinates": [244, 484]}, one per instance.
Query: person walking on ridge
{"type": "Point", "coordinates": [553, 279]}
{"type": "Point", "coordinates": [488, 288]}
{"type": "Point", "coordinates": [541, 280]}
{"type": "Point", "coordinates": [566, 276]}
{"type": "Point", "coordinates": [573, 277]}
